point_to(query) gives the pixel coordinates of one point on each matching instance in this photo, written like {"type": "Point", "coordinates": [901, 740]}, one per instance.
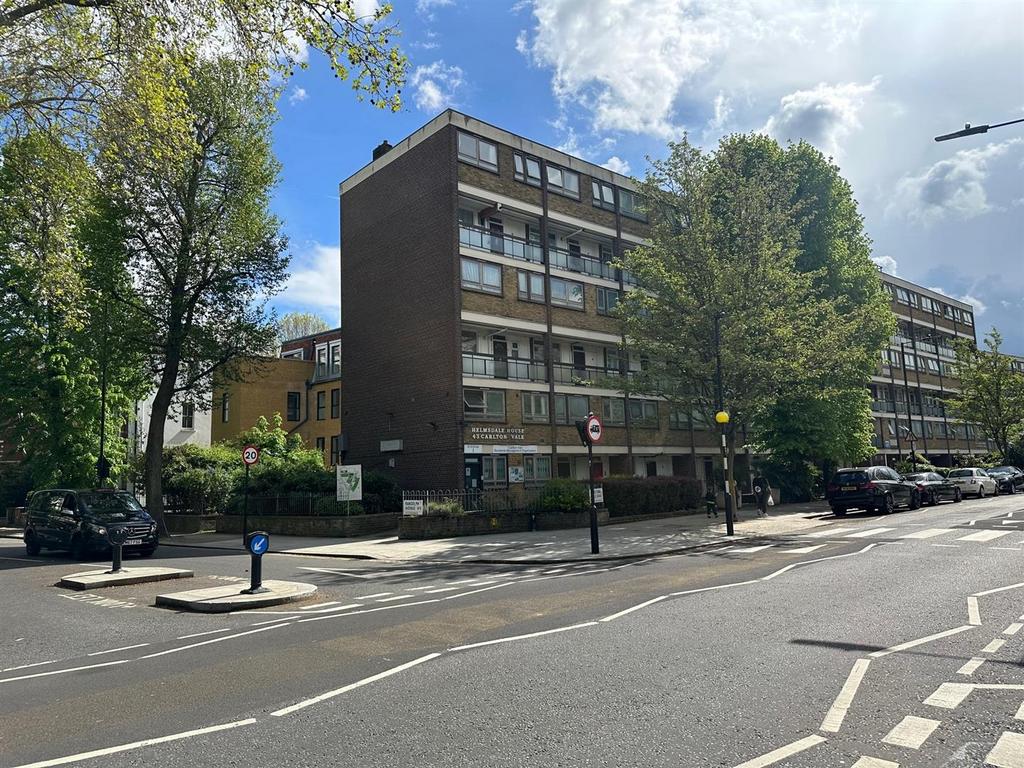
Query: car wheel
{"type": "Point", "coordinates": [839, 511]}
{"type": "Point", "coordinates": [915, 500]}
{"type": "Point", "coordinates": [888, 505]}
{"type": "Point", "coordinates": [957, 496]}
{"type": "Point", "coordinates": [981, 491]}
{"type": "Point", "coordinates": [32, 545]}
{"type": "Point", "coordinates": [933, 499]}
{"type": "Point", "coordinates": [995, 491]}
{"type": "Point", "coordinates": [1013, 488]}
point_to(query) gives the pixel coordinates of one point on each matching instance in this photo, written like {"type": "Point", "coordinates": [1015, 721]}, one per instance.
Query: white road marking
{"type": "Point", "coordinates": [479, 583]}
{"type": "Point", "coordinates": [1008, 751]}
{"type": "Point", "coordinates": [971, 522]}
{"type": "Point", "coordinates": [214, 640]}
{"type": "Point", "coordinates": [137, 744]}
{"type": "Point", "coordinates": [62, 671]}
{"type": "Point", "coordinates": [1008, 549]}
{"type": "Point", "coordinates": [620, 614]}
{"type": "Point", "coordinates": [829, 532]}
{"type": "Point", "coordinates": [805, 550]}
{"type": "Point", "coordinates": [334, 609]}
{"type": "Point", "coordinates": [834, 717]}
{"type": "Point", "coordinates": [712, 589]}
{"type": "Point", "coordinates": [393, 597]}
{"type": "Point", "coordinates": [443, 589]}
{"type": "Point", "coordinates": [1011, 522]}
{"type": "Point", "coordinates": [27, 666]}
{"type": "Point", "coordinates": [782, 753]}
{"type": "Point", "coordinates": [368, 610]}
{"type": "Point", "coordinates": [953, 546]}
{"type": "Point", "coordinates": [949, 695]}
{"type": "Point", "coordinates": [874, 762]}
{"type": "Point", "coordinates": [353, 686]}
{"type": "Point", "coordinates": [973, 612]}
{"type": "Point", "coordinates": [201, 634]}
{"type": "Point", "coordinates": [420, 589]}
{"type": "Point", "coordinates": [911, 732]}
{"type": "Point", "coordinates": [871, 532]}
{"type": "Point", "coordinates": [919, 641]}
{"type": "Point", "coordinates": [273, 621]}
{"type": "Point", "coordinates": [984, 535]}
{"type": "Point", "coordinates": [523, 637]}
{"type": "Point", "coordinates": [115, 650]}
{"type": "Point", "coordinates": [754, 549]}
{"type": "Point", "coordinates": [553, 570]}
{"type": "Point", "coordinates": [927, 533]}
{"type": "Point", "coordinates": [1013, 629]}
{"type": "Point", "coordinates": [994, 646]}
{"type": "Point", "coordinates": [998, 589]}
{"type": "Point", "coordinates": [371, 597]}
{"type": "Point", "coordinates": [319, 605]}
{"type": "Point", "coordinates": [971, 666]}
{"type": "Point", "coordinates": [1020, 713]}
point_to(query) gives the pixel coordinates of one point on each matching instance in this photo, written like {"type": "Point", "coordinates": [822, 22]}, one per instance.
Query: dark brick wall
{"type": "Point", "coordinates": [400, 317]}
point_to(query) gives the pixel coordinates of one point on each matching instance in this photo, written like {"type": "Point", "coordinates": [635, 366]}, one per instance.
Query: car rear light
{"type": "Point", "coordinates": [867, 486]}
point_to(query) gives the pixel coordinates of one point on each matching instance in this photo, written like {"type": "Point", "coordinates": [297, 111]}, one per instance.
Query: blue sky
{"type": "Point", "coordinates": [612, 80]}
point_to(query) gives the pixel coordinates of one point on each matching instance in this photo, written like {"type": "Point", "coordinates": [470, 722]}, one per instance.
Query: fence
{"type": "Point", "coordinates": [478, 501]}
{"type": "Point", "coordinates": [323, 504]}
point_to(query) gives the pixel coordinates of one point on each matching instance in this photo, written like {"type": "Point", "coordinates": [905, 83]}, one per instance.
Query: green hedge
{"type": "Point", "coordinates": [624, 496]}
{"type": "Point", "coordinates": [563, 495]}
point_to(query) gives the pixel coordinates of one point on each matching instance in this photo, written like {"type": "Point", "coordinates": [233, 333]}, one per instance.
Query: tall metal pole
{"type": "Point", "coordinates": [245, 506]}
{"type": "Point", "coordinates": [595, 547]}
{"type": "Point", "coordinates": [906, 397]}
{"type": "Point", "coordinates": [721, 407]}
{"type": "Point", "coordinates": [102, 466]}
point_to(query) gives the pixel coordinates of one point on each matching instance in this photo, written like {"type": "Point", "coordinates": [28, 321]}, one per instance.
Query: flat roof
{"type": "Point", "coordinates": [888, 278]}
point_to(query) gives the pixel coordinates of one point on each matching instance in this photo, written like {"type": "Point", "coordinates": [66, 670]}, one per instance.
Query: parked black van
{"type": "Point", "coordinates": [878, 489]}
{"type": "Point", "coordinates": [78, 521]}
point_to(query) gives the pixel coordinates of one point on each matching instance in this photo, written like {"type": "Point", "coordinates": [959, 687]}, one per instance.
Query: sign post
{"type": "Point", "coordinates": [250, 455]}
{"type": "Point", "coordinates": [350, 483]}
{"type": "Point", "coordinates": [117, 537]}
{"type": "Point", "coordinates": [591, 431]}
{"type": "Point", "coordinates": [257, 542]}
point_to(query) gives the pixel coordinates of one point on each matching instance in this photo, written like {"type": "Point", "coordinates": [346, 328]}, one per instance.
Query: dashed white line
{"type": "Point", "coordinates": [994, 646]}
{"type": "Point", "coordinates": [115, 650]}
{"type": "Point", "coordinates": [984, 536]}
{"type": "Point", "coordinates": [973, 613]}
{"type": "Point", "coordinates": [371, 597]}
{"type": "Point", "coordinates": [911, 732]}
{"type": "Point", "coordinates": [273, 621]}
{"type": "Point", "coordinates": [837, 712]}
{"type": "Point", "coordinates": [927, 533]}
{"type": "Point", "coordinates": [442, 589]}
{"type": "Point", "coordinates": [951, 546]}
{"type": "Point", "coordinates": [319, 605]}
{"type": "Point", "coordinates": [829, 532]}
{"type": "Point", "coordinates": [753, 549]}
{"type": "Point", "coordinates": [202, 634]}
{"type": "Point", "coordinates": [369, 610]}
{"type": "Point", "coordinates": [1008, 751]}
{"type": "Point", "coordinates": [28, 666]}
{"type": "Point", "coordinates": [919, 641]}
{"type": "Point", "coordinates": [1013, 629]}
{"type": "Point", "coordinates": [137, 745]}
{"type": "Point", "coordinates": [805, 550]}
{"type": "Point", "coordinates": [1020, 713]}
{"type": "Point", "coordinates": [949, 695]}
{"type": "Point", "coordinates": [971, 666]}
{"type": "Point", "coordinates": [353, 686]}
{"type": "Point", "coordinates": [63, 671]}
{"type": "Point", "coordinates": [777, 755]}
{"type": "Point", "coordinates": [393, 597]}
{"type": "Point", "coordinates": [874, 762]}
{"type": "Point", "coordinates": [209, 642]}
{"type": "Point", "coordinates": [523, 637]}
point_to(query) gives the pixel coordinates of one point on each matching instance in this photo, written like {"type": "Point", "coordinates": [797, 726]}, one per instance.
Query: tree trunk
{"type": "Point", "coordinates": [155, 441]}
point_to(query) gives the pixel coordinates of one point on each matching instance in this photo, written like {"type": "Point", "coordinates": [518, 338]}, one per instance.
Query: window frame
{"type": "Point", "coordinates": [188, 415]}
{"type": "Point", "coordinates": [225, 408]}
{"type": "Point", "coordinates": [602, 300]}
{"type": "Point", "coordinates": [558, 302]}
{"type": "Point", "coordinates": [334, 358]}
{"type": "Point", "coordinates": [479, 285]}
{"type": "Point", "coordinates": [321, 405]}
{"type": "Point", "coordinates": [567, 416]}
{"type": "Point", "coordinates": [597, 190]}
{"type": "Point", "coordinates": [475, 158]}
{"type": "Point", "coordinates": [289, 409]}
{"type": "Point", "coordinates": [633, 211]}
{"type": "Point", "coordinates": [528, 294]}
{"type": "Point", "coordinates": [530, 466]}
{"type": "Point", "coordinates": [532, 398]}
{"type": "Point", "coordinates": [485, 414]}
{"type": "Point", "coordinates": [336, 403]}
{"type": "Point", "coordinates": [608, 406]}
{"type": "Point", "coordinates": [559, 187]}
{"type": "Point", "coordinates": [521, 169]}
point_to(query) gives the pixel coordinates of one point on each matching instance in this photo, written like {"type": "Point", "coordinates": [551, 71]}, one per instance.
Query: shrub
{"type": "Point", "coordinates": [563, 495]}
{"type": "Point", "coordinates": [445, 508]}
{"type": "Point", "coordinates": [650, 495]}
{"type": "Point", "coordinates": [795, 479]}
{"type": "Point", "coordinates": [385, 487]}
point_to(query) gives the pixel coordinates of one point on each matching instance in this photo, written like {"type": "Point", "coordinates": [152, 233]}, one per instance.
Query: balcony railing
{"type": "Point", "coordinates": [586, 375]}
{"type": "Point", "coordinates": [507, 245]}
{"type": "Point", "coordinates": [486, 366]}
{"type": "Point", "coordinates": [578, 262]}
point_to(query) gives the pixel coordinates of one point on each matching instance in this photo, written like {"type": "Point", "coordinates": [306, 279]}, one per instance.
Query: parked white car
{"type": "Point", "coordinates": [973, 481]}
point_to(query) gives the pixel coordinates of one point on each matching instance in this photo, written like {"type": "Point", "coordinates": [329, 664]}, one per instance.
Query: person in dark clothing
{"type": "Point", "coordinates": [711, 502]}
{"type": "Point", "coordinates": [762, 492]}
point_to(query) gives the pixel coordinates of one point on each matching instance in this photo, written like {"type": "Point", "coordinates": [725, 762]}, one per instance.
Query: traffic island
{"type": "Point", "coordinates": [231, 598]}
{"type": "Point", "coordinates": [122, 577]}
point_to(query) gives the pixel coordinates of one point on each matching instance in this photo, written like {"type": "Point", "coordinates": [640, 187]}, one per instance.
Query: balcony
{"type": "Point", "coordinates": [578, 262]}
{"type": "Point", "coordinates": [489, 367]}
{"type": "Point", "coordinates": [506, 245]}
{"type": "Point", "coordinates": [584, 375]}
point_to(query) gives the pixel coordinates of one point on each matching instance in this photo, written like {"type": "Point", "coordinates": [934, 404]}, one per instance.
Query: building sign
{"type": "Point", "coordinates": [498, 433]}
{"type": "Point", "coordinates": [412, 507]}
{"type": "Point", "coordinates": [515, 475]}
{"type": "Point", "coordinates": [598, 494]}
{"type": "Point", "coordinates": [514, 449]}
{"type": "Point", "coordinates": [350, 482]}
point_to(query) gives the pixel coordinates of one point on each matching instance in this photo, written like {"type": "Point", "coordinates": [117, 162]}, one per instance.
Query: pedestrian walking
{"type": "Point", "coordinates": [763, 495]}
{"type": "Point", "coordinates": [711, 502]}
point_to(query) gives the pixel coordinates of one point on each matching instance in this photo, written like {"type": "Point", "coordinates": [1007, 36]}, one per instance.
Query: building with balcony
{"type": "Point", "coordinates": [916, 376]}
{"type": "Point", "coordinates": [477, 280]}
{"type": "Point", "coordinates": [303, 384]}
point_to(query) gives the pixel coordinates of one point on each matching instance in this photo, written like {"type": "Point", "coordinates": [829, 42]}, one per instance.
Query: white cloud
{"type": "Point", "coordinates": [723, 110]}
{"type": "Point", "coordinates": [951, 188]}
{"type": "Point", "coordinates": [297, 95]}
{"type": "Point", "coordinates": [314, 284]}
{"type": "Point", "coordinates": [970, 298]}
{"type": "Point", "coordinates": [823, 115]}
{"type": "Point", "coordinates": [436, 85]}
{"type": "Point", "coordinates": [296, 47]}
{"type": "Point", "coordinates": [365, 8]}
{"type": "Point", "coordinates": [617, 164]}
{"type": "Point", "coordinates": [886, 264]}
{"type": "Point", "coordinates": [427, 7]}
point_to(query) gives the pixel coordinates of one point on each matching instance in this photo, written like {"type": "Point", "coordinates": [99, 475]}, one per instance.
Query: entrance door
{"type": "Point", "coordinates": [474, 473]}
{"type": "Point", "coordinates": [652, 469]}
{"type": "Point", "coordinates": [497, 230]}
{"type": "Point", "coordinates": [500, 349]}
{"type": "Point", "coordinates": [579, 361]}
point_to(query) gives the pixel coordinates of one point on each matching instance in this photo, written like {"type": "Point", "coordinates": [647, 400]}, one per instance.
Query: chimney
{"type": "Point", "coordinates": [381, 149]}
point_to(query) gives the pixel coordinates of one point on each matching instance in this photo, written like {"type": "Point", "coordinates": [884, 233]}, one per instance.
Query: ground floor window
{"type": "Point", "coordinates": [495, 471]}
{"type": "Point", "coordinates": [536, 468]}
{"type": "Point", "coordinates": [564, 466]}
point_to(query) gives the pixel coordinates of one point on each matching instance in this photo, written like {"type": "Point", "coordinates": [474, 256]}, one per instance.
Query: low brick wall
{"type": "Point", "coordinates": [191, 523]}
{"type": "Point", "coordinates": [312, 525]}
{"type": "Point", "coordinates": [655, 516]}
{"type": "Point", "coordinates": [443, 527]}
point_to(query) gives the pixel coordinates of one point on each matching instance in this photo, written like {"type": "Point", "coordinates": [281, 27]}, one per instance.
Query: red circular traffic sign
{"type": "Point", "coordinates": [595, 429]}
{"type": "Point", "coordinates": [250, 455]}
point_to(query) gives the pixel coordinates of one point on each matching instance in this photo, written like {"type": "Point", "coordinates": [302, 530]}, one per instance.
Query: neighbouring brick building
{"type": "Point", "coordinates": [303, 385]}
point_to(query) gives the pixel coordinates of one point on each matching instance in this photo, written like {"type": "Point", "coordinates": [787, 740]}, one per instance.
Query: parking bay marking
{"type": "Point", "coordinates": [911, 732]}
{"type": "Point", "coordinates": [984, 535]}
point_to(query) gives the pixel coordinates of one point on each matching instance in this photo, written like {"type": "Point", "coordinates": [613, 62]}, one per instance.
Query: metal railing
{"type": "Point", "coordinates": [477, 501]}
{"type": "Point", "coordinates": [587, 375]}
{"type": "Point", "coordinates": [579, 262]}
{"type": "Point", "coordinates": [507, 245]}
{"type": "Point", "coordinates": [486, 366]}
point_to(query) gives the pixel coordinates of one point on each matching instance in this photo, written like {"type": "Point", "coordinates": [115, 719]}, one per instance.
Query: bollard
{"type": "Point", "coordinates": [257, 543]}
{"type": "Point", "coordinates": [117, 537]}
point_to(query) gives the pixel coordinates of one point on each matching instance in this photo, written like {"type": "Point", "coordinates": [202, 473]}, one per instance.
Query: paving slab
{"type": "Point", "coordinates": [104, 578]}
{"type": "Point", "coordinates": [232, 598]}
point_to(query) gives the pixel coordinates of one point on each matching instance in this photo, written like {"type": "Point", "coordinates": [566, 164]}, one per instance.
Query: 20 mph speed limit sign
{"type": "Point", "coordinates": [595, 430]}
{"type": "Point", "coordinates": [250, 455]}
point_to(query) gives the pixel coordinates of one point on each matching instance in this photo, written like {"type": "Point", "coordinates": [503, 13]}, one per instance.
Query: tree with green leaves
{"type": "Point", "coordinates": [991, 392]}
{"type": "Point", "coordinates": [293, 325]}
{"type": "Point", "coordinates": [201, 242]}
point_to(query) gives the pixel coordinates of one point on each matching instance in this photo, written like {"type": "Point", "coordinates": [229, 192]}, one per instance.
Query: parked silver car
{"type": "Point", "coordinates": [974, 481]}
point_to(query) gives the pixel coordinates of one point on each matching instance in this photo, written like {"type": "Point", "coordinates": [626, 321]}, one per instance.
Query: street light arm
{"type": "Point", "coordinates": [970, 130]}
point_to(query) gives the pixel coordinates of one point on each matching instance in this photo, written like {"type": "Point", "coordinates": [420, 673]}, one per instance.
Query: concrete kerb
{"type": "Point", "coordinates": [99, 579]}
{"type": "Point", "coordinates": [230, 598]}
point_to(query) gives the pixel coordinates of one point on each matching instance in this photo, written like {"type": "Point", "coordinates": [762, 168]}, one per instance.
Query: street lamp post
{"type": "Point", "coordinates": [970, 130]}
{"type": "Point", "coordinates": [906, 398]}
{"type": "Point", "coordinates": [722, 418]}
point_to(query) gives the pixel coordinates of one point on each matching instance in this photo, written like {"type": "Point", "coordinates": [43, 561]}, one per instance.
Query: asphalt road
{"type": "Point", "coordinates": [871, 642]}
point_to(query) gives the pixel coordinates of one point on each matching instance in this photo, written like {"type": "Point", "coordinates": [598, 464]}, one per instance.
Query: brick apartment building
{"type": "Point", "coordinates": [476, 283]}
{"type": "Point", "coordinates": [303, 384]}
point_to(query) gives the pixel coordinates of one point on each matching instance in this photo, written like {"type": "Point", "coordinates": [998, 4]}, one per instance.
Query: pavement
{"type": "Point", "coordinates": [869, 642]}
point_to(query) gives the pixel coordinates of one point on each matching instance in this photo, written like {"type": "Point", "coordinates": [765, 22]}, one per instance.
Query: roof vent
{"type": "Point", "coordinates": [381, 149]}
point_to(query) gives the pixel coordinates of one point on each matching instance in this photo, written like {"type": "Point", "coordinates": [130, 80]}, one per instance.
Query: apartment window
{"type": "Point", "coordinates": [320, 444]}
{"type": "Point", "coordinates": [321, 406]}
{"type": "Point", "coordinates": [536, 468]}
{"type": "Point", "coordinates": [527, 169]}
{"type": "Point", "coordinates": [495, 470]}
{"type": "Point", "coordinates": [902, 295]}
{"type": "Point", "coordinates": [631, 204]}
{"type": "Point", "coordinates": [188, 415]}
{"type": "Point", "coordinates": [295, 354]}
{"type": "Point", "coordinates": [292, 411]}
{"type": "Point", "coordinates": [607, 299]}
{"type": "Point", "coordinates": [571, 408]}
{"type": "Point", "coordinates": [563, 181]}
{"type": "Point", "coordinates": [537, 350]}
{"type": "Point", "coordinates": [614, 411]}
{"type": "Point", "coordinates": [614, 360]}
{"type": "Point", "coordinates": [478, 152]}
{"type": "Point", "coordinates": [469, 341]}
{"type": "Point", "coordinates": [481, 276]}
{"type": "Point", "coordinates": [335, 358]}
{"type": "Point", "coordinates": [535, 407]}
{"type": "Point", "coordinates": [968, 318]}
{"type": "Point", "coordinates": [225, 408]}
{"type": "Point", "coordinates": [643, 413]}
{"type": "Point", "coordinates": [484, 404]}
{"type": "Point", "coordinates": [566, 293]}
{"type": "Point", "coordinates": [335, 403]}
{"type": "Point", "coordinates": [335, 450]}
{"type": "Point", "coordinates": [603, 195]}
{"type": "Point", "coordinates": [677, 419]}
{"type": "Point", "coordinates": [531, 286]}
{"type": "Point", "coordinates": [321, 360]}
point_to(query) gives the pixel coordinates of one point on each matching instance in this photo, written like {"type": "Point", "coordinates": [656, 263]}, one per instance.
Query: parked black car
{"type": "Point", "coordinates": [934, 487]}
{"type": "Point", "coordinates": [879, 489]}
{"type": "Point", "coordinates": [78, 521]}
{"type": "Point", "coordinates": [1010, 479]}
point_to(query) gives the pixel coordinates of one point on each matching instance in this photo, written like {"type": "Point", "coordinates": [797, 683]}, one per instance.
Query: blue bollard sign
{"type": "Point", "coordinates": [257, 543]}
